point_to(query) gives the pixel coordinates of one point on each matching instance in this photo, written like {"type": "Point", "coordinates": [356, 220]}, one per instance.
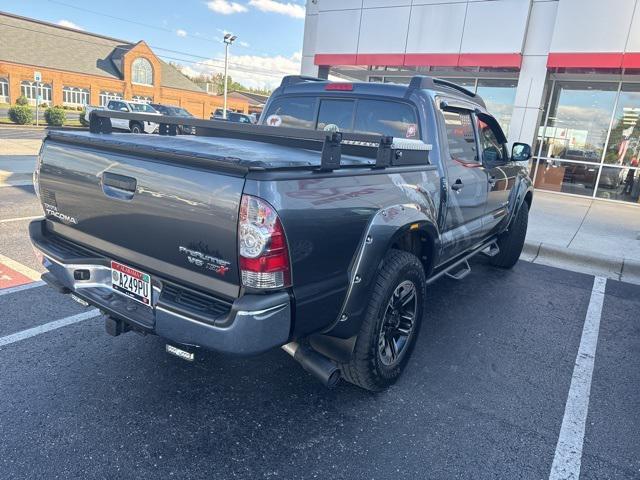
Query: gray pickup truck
{"type": "Point", "coordinates": [317, 231]}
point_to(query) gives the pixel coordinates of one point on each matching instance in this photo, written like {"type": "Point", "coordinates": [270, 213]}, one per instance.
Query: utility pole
{"type": "Point", "coordinates": [228, 40]}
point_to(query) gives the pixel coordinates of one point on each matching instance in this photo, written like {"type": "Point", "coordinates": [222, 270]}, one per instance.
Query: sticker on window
{"type": "Point", "coordinates": [412, 130]}
{"type": "Point", "coordinates": [274, 120]}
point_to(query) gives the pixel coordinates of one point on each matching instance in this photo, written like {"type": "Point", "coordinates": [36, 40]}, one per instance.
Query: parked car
{"type": "Point", "coordinates": [128, 106]}
{"type": "Point", "coordinates": [232, 116]}
{"type": "Point", "coordinates": [176, 112]}
{"type": "Point", "coordinates": [319, 242]}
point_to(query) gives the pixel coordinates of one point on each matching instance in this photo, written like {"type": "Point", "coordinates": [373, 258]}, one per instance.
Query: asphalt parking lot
{"type": "Point", "coordinates": [490, 389]}
{"type": "Point", "coordinates": [22, 133]}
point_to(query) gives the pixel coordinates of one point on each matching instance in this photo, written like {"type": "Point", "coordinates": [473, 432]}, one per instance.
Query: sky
{"type": "Point", "coordinates": [269, 32]}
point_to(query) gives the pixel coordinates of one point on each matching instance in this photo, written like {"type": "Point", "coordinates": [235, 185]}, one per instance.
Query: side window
{"type": "Point", "coordinates": [296, 112]}
{"type": "Point", "coordinates": [492, 149]}
{"type": "Point", "coordinates": [115, 105]}
{"type": "Point", "coordinates": [460, 136]}
{"type": "Point", "coordinates": [335, 113]}
{"type": "Point", "coordinates": [378, 117]}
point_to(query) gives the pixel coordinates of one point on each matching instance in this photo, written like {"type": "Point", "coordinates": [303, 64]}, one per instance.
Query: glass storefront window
{"type": "Point", "coordinates": [624, 140]}
{"type": "Point", "coordinates": [499, 96]}
{"type": "Point", "coordinates": [566, 177]}
{"type": "Point", "coordinates": [579, 117]}
{"type": "Point", "coordinates": [619, 183]}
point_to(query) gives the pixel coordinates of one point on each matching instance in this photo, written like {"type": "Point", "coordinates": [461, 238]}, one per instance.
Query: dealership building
{"type": "Point", "coordinates": [563, 75]}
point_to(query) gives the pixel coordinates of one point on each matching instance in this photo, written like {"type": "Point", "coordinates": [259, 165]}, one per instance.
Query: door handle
{"type": "Point", "coordinates": [118, 186]}
{"type": "Point", "coordinates": [457, 185]}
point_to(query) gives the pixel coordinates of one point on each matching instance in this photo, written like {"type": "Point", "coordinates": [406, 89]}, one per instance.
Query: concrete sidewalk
{"type": "Point", "coordinates": [17, 160]}
{"type": "Point", "coordinates": [585, 235]}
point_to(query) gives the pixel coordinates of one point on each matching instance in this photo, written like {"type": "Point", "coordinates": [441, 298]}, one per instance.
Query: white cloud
{"type": "Point", "coordinates": [181, 33]}
{"type": "Point", "coordinates": [226, 7]}
{"type": "Point", "coordinates": [244, 44]}
{"type": "Point", "coordinates": [289, 9]}
{"type": "Point", "coordinates": [250, 70]}
{"type": "Point", "coordinates": [69, 24]}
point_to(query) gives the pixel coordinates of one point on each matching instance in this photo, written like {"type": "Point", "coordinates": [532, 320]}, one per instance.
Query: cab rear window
{"type": "Point", "coordinates": [370, 116]}
{"type": "Point", "coordinates": [386, 118]}
{"type": "Point", "coordinates": [294, 112]}
{"type": "Point", "coordinates": [336, 115]}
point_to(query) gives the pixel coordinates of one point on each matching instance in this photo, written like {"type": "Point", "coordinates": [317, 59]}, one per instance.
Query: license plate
{"type": "Point", "coordinates": [131, 282]}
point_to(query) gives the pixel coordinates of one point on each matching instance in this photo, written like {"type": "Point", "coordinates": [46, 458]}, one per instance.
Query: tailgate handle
{"type": "Point", "coordinates": [118, 186]}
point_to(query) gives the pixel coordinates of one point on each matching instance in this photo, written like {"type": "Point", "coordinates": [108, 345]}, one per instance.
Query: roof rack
{"type": "Point", "coordinates": [421, 81]}
{"type": "Point", "coordinates": [289, 80]}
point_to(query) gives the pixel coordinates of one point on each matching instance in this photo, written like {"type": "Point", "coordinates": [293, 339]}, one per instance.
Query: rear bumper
{"type": "Point", "coordinates": [249, 325]}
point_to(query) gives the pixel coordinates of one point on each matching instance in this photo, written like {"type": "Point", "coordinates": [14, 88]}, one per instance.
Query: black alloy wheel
{"type": "Point", "coordinates": [397, 326]}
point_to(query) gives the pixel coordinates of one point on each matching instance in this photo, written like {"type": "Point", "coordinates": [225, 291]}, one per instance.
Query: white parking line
{"type": "Point", "coordinates": [20, 268]}
{"type": "Point", "coordinates": [19, 288]}
{"type": "Point", "coordinates": [47, 327]}
{"type": "Point", "coordinates": [568, 456]}
{"type": "Point", "coordinates": [17, 219]}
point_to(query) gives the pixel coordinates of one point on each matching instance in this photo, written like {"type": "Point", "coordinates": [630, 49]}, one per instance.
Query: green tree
{"type": "Point", "coordinates": [217, 80]}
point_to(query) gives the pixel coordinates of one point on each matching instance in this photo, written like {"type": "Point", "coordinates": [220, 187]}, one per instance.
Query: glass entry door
{"type": "Point", "coordinates": [589, 142]}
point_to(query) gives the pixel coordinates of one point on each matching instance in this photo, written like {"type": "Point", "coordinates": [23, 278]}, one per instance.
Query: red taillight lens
{"type": "Point", "coordinates": [264, 256]}
{"type": "Point", "coordinates": [339, 86]}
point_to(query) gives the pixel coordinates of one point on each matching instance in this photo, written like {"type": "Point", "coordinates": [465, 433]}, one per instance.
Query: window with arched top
{"type": "Point", "coordinates": [105, 96]}
{"type": "Point", "coordinates": [75, 96]}
{"type": "Point", "coordinates": [30, 90]}
{"type": "Point", "coordinates": [142, 99]}
{"type": "Point", "coordinates": [142, 71]}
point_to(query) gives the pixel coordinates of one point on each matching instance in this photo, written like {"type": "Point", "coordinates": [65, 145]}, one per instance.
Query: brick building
{"type": "Point", "coordinates": [80, 68]}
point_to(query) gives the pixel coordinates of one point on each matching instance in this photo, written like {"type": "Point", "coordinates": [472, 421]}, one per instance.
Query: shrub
{"type": "Point", "coordinates": [55, 116]}
{"type": "Point", "coordinates": [22, 100]}
{"type": "Point", "coordinates": [21, 114]}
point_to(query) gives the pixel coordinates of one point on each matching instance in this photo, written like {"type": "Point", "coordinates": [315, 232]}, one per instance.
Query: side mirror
{"type": "Point", "coordinates": [124, 109]}
{"type": "Point", "coordinates": [520, 152]}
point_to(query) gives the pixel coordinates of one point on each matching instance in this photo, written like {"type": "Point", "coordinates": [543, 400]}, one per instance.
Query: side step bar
{"type": "Point", "coordinates": [461, 268]}
{"type": "Point", "coordinates": [465, 269]}
{"type": "Point", "coordinates": [492, 251]}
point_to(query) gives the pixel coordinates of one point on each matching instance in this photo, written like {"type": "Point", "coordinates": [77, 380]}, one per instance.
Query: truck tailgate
{"type": "Point", "coordinates": [173, 220]}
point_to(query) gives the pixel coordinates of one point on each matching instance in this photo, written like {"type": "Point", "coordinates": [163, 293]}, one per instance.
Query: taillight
{"type": "Point", "coordinates": [264, 255]}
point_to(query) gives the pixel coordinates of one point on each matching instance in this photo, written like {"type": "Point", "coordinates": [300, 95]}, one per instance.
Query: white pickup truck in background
{"type": "Point", "coordinates": [132, 126]}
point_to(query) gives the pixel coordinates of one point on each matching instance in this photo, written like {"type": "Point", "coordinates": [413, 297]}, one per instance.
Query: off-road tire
{"type": "Point", "coordinates": [365, 369]}
{"type": "Point", "coordinates": [136, 127]}
{"type": "Point", "coordinates": [511, 242]}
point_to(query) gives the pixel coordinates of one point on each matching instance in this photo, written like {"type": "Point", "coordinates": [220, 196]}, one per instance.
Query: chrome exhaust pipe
{"type": "Point", "coordinates": [315, 363]}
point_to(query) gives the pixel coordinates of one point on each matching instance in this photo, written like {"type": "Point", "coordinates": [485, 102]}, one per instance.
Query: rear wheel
{"type": "Point", "coordinates": [136, 128]}
{"type": "Point", "coordinates": [511, 242]}
{"type": "Point", "coordinates": [391, 323]}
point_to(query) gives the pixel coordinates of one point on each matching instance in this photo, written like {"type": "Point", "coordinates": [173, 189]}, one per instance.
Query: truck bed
{"type": "Point", "coordinates": [228, 153]}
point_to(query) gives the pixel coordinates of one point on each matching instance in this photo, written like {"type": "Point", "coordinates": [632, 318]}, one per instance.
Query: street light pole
{"type": "Point", "coordinates": [228, 40]}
